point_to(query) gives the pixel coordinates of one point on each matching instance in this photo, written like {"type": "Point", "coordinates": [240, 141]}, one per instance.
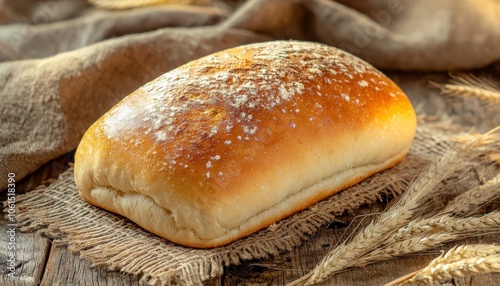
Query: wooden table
{"type": "Point", "coordinates": [42, 261]}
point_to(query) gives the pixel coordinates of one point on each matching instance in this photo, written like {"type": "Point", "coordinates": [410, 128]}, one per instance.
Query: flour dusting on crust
{"type": "Point", "coordinates": [276, 74]}
{"type": "Point", "coordinates": [226, 97]}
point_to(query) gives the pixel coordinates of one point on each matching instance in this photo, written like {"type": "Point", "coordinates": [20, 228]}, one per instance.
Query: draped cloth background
{"type": "Point", "coordinates": [63, 63]}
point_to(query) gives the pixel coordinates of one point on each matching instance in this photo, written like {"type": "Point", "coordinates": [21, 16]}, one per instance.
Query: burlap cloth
{"type": "Point", "coordinates": [64, 63]}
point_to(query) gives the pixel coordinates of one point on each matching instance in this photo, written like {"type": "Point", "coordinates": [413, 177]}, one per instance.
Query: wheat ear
{"type": "Point", "coordinates": [486, 144]}
{"type": "Point", "coordinates": [399, 214]}
{"type": "Point", "coordinates": [473, 199]}
{"type": "Point", "coordinates": [470, 85]}
{"type": "Point", "coordinates": [373, 235]}
{"type": "Point", "coordinates": [457, 262]}
{"type": "Point", "coordinates": [446, 223]}
{"type": "Point", "coordinates": [424, 234]}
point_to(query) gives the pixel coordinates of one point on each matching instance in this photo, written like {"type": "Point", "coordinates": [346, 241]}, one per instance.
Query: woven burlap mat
{"type": "Point", "coordinates": [113, 242]}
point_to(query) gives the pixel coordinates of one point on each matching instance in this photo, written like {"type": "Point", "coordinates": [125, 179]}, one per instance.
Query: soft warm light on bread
{"type": "Point", "coordinates": [228, 144]}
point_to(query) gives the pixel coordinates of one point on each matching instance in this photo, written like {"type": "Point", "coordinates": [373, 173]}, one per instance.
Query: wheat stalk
{"type": "Point", "coordinates": [420, 235]}
{"type": "Point", "coordinates": [487, 145]}
{"type": "Point", "coordinates": [474, 80]}
{"type": "Point", "coordinates": [457, 262]}
{"type": "Point", "coordinates": [464, 267]}
{"type": "Point", "coordinates": [363, 248]}
{"type": "Point", "coordinates": [399, 214]}
{"type": "Point", "coordinates": [476, 197]}
{"type": "Point", "coordinates": [443, 224]}
{"type": "Point", "coordinates": [492, 137]}
{"type": "Point", "coordinates": [407, 246]}
{"type": "Point", "coordinates": [470, 85]}
{"type": "Point", "coordinates": [424, 234]}
{"type": "Point", "coordinates": [447, 223]}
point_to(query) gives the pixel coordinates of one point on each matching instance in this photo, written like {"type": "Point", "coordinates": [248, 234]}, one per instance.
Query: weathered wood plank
{"type": "Point", "coordinates": [31, 251]}
{"type": "Point", "coordinates": [66, 268]}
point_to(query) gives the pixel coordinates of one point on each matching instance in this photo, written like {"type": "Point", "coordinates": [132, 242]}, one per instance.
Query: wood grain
{"type": "Point", "coordinates": [32, 251]}
{"type": "Point", "coordinates": [67, 269]}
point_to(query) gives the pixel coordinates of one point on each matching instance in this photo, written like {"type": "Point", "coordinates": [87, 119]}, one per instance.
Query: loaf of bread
{"type": "Point", "coordinates": [227, 144]}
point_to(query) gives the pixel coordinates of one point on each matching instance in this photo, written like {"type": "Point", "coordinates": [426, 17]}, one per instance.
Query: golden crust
{"type": "Point", "coordinates": [219, 144]}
